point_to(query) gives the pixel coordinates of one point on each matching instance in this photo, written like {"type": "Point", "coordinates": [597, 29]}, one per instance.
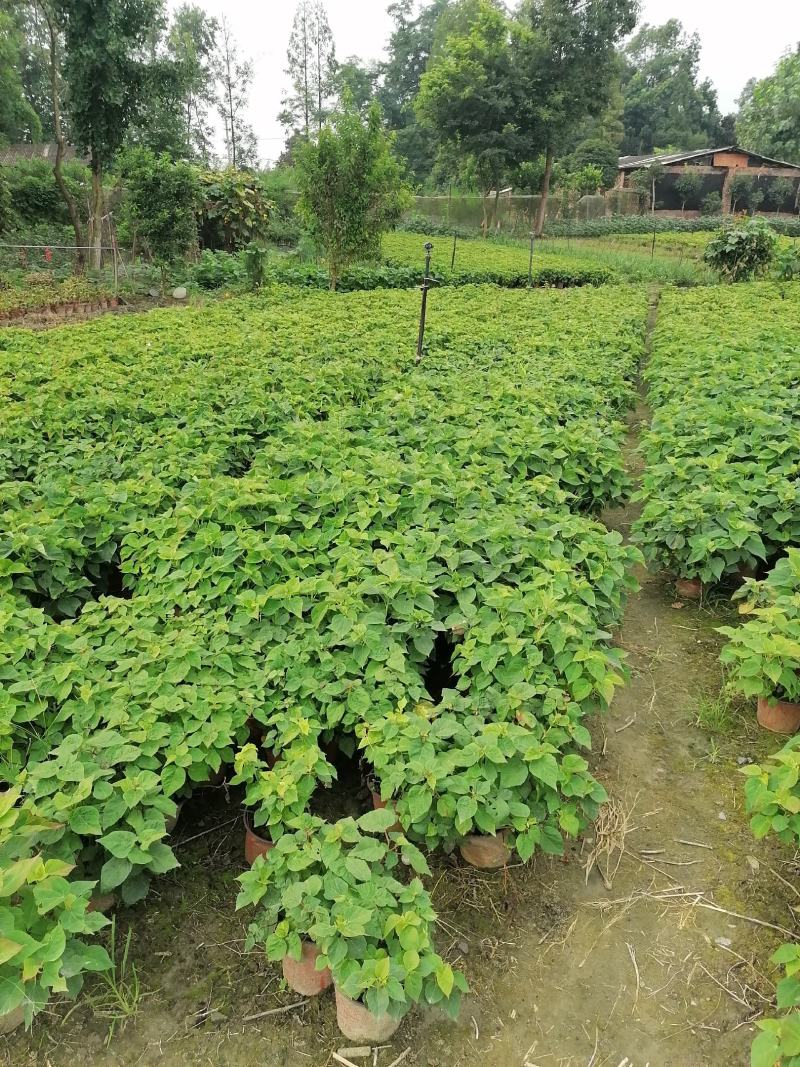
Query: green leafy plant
{"type": "Point", "coordinates": [338, 887]}
{"type": "Point", "coordinates": [779, 1040]}
{"type": "Point", "coordinates": [44, 915]}
{"type": "Point", "coordinates": [764, 654]}
{"type": "Point", "coordinates": [235, 210]}
{"type": "Point", "coordinates": [740, 252]}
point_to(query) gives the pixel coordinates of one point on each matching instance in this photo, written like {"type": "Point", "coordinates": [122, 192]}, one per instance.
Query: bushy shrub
{"type": "Point", "coordinates": [739, 253]}
{"type": "Point", "coordinates": [162, 201]}
{"type": "Point", "coordinates": [34, 194]}
{"type": "Point", "coordinates": [235, 212]}
{"type": "Point", "coordinates": [711, 204]}
{"type": "Point", "coordinates": [215, 270]}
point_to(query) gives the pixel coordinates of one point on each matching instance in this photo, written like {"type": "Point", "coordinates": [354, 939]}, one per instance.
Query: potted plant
{"type": "Point", "coordinates": [487, 787]}
{"type": "Point", "coordinates": [329, 901]}
{"type": "Point", "coordinates": [764, 653]}
{"type": "Point", "coordinates": [276, 797]}
{"type": "Point", "coordinates": [286, 884]}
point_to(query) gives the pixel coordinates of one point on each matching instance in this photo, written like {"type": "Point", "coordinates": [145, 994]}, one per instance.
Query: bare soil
{"type": "Point", "coordinates": [659, 959]}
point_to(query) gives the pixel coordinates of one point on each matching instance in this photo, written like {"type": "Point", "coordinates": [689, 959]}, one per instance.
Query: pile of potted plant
{"type": "Point", "coordinates": [488, 787]}
{"type": "Point", "coordinates": [335, 907]}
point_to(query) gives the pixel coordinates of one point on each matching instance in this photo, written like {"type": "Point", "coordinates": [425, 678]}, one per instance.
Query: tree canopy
{"type": "Point", "coordinates": [664, 101]}
{"type": "Point", "coordinates": [769, 121]}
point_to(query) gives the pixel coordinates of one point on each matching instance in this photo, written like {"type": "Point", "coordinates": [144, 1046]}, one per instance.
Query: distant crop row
{"type": "Point", "coordinates": [234, 538]}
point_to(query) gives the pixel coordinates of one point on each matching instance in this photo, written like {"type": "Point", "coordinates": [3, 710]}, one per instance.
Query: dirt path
{"type": "Point", "coordinates": [565, 971]}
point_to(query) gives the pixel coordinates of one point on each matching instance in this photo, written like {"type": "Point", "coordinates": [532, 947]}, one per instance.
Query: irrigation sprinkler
{"type": "Point", "coordinates": [530, 262]}
{"type": "Point", "coordinates": [426, 284]}
{"type": "Point", "coordinates": [453, 257]}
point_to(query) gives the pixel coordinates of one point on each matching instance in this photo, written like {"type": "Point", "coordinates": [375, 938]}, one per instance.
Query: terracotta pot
{"type": "Point", "coordinates": [11, 1020]}
{"type": "Point", "coordinates": [254, 846]}
{"type": "Point", "coordinates": [378, 805]}
{"type": "Point", "coordinates": [689, 588]}
{"type": "Point", "coordinates": [781, 717]}
{"type": "Point", "coordinates": [485, 851]}
{"type": "Point", "coordinates": [358, 1023]}
{"type": "Point", "coordinates": [302, 975]}
{"type": "Point", "coordinates": [103, 902]}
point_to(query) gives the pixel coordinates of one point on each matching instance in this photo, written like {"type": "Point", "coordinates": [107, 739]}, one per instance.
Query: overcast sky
{"type": "Point", "coordinates": [736, 46]}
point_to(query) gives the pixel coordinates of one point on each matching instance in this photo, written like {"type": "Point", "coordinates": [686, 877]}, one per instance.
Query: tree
{"type": "Point", "coordinates": [571, 75]}
{"type": "Point", "coordinates": [779, 191]}
{"type": "Point", "coordinates": [597, 153]}
{"type": "Point", "coordinates": [105, 77]}
{"type": "Point", "coordinates": [587, 180]}
{"type": "Point", "coordinates": [18, 119]}
{"type": "Point", "coordinates": [408, 53]}
{"type": "Point", "coordinates": [689, 186]}
{"type": "Point", "coordinates": [741, 189]}
{"type": "Point", "coordinates": [644, 181]}
{"type": "Point", "coordinates": [664, 103]}
{"type": "Point", "coordinates": [192, 44]}
{"type": "Point", "coordinates": [470, 98]}
{"type": "Point", "coordinates": [311, 67]}
{"type": "Point", "coordinates": [351, 188]}
{"type": "Point", "coordinates": [355, 81]}
{"type": "Point", "coordinates": [235, 75]}
{"type": "Point", "coordinates": [769, 120]}
{"type": "Point", "coordinates": [54, 44]}
{"type": "Point", "coordinates": [162, 202]}
{"type": "Point", "coordinates": [34, 62]}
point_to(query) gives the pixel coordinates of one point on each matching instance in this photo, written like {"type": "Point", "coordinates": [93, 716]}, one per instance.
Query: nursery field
{"type": "Point", "coordinates": [301, 638]}
{"type": "Point", "coordinates": [556, 261]}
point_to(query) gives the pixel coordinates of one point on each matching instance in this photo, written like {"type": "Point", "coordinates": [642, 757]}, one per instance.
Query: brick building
{"type": "Point", "coordinates": [717, 167]}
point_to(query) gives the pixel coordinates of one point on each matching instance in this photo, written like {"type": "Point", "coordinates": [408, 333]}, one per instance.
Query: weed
{"type": "Point", "coordinates": [120, 993]}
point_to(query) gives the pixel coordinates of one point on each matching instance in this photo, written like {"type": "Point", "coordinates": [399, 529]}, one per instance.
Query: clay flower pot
{"type": "Point", "coordinates": [689, 588]}
{"type": "Point", "coordinates": [358, 1023]}
{"type": "Point", "coordinates": [302, 975]}
{"type": "Point", "coordinates": [254, 846]}
{"type": "Point", "coordinates": [103, 902]}
{"type": "Point", "coordinates": [378, 805]}
{"type": "Point", "coordinates": [779, 716]}
{"type": "Point", "coordinates": [11, 1020]}
{"type": "Point", "coordinates": [485, 851]}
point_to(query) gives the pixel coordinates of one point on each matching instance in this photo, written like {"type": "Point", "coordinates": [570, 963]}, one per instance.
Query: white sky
{"type": "Point", "coordinates": [738, 43]}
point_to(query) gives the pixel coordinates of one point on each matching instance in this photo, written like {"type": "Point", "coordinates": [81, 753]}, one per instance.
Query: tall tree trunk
{"type": "Point", "coordinates": [497, 206]}
{"type": "Point", "coordinates": [541, 213]}
{"type": "Point", "coordinates": [97, 212]}
{"type": "Point", "coordinates": [58, 127]}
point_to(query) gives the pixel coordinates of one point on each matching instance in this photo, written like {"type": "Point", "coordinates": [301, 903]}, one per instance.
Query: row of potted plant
{"type": "Point", "coordinates": [720, 487]}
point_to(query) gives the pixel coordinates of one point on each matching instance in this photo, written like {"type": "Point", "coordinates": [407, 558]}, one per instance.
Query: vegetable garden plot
{"type": "Point", "coordinates": [721, 489]}
{"type": "Point", "coordinates": [298, 516]}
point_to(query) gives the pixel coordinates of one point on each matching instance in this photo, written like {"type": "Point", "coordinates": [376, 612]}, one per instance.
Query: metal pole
{"type": "Point", "coordinates": [425, 287]}
{"type": "Point", "coordinates": [530, 262]}
{"type": "Point", "coordinates": [453, 257]}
